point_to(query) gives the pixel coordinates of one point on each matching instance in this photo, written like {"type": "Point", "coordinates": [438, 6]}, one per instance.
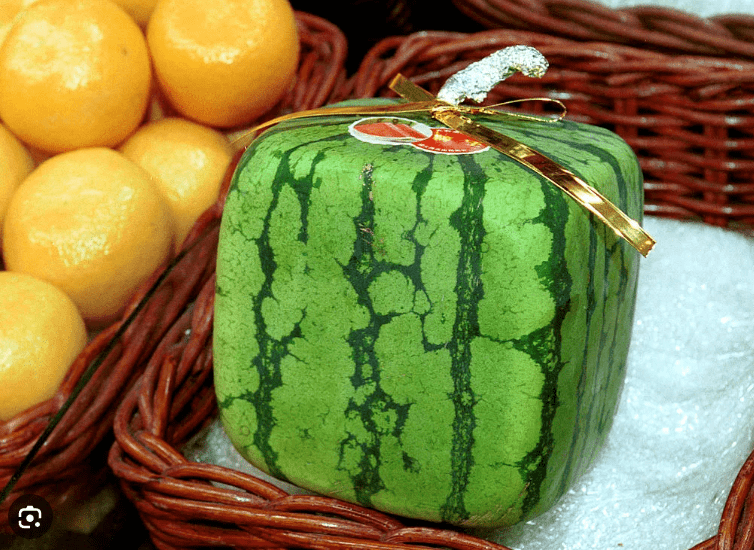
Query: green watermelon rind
{"type": "Point", "coordinates": [401, 367]}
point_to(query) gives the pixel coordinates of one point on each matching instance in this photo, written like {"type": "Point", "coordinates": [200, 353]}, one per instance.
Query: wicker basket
{"type": "Point", "coordinates": [182, 508]}
{"type": "Point", "coordinates": [73, 461]}
{"type": "Point", "coordinates": [672, 109]}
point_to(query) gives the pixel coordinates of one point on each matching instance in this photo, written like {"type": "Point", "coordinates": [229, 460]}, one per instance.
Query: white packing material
{"type": "Point", "coordinates": [685, 421]}
{"type": "Point", "coordinates": [692, 7]}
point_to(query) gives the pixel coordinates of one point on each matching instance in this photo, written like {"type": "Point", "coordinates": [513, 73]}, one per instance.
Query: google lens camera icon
{"type": "Point", "coordinates": [29, 516]}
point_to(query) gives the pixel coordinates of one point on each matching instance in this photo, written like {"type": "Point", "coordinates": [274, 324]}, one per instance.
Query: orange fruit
{"type": "Point", "coordinates": [92, 223]}
{"type": "Point", "coordinates": [41, 333]}
{"type": "Point", "coordinates": [223, 63]}
{"type": "Point", "coordinates": [73, 73]}
{"type": "Point", "coordinates": [140, 10]}
{"type": "Point", "coordinates": [15, 165]}
{"type": "Point", "coordinates": [188, 162]}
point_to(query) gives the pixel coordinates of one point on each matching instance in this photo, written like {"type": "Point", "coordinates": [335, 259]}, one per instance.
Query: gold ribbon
{"type": "Point", "coordinates": [420, 100]}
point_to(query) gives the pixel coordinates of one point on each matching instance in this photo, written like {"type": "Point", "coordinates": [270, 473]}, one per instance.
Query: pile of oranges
{"type": "Point", "coordinates": [113, 123]}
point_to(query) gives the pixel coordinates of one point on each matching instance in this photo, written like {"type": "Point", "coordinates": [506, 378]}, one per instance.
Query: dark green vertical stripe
{"type": "Point", "coordinates": [614, 370]}
{"type": "Point", "coordinates": [581, 387]}
{"type": "Point", "coordinates": [303, 190]}
{"type": "Point", "coordinates": [372, 402]}
{"type": "Point", "coordinates": [606, 330]}
{"type": "Point", "coordinates": [468, 221]}
{"type": "Point", "coordinates": [359, 272]}
{"type": "Point", "coordinates": [413, 272]}
{"type": "Point", "coordinates": [545, 345]}
{"type": "Point", "coordinates": [271, 351]}
{"type": "Point", "coordinates": [617, 253]}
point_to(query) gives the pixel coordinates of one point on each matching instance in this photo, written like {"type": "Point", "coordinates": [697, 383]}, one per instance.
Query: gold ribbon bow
{"type": "Point", "coordinates": [453, 116]}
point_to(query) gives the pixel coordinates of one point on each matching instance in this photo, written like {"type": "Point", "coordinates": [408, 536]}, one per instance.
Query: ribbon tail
{"type": "Point", "coordinates": [586, 195]}
{"type": "Point", "coordinates": [567, 181]}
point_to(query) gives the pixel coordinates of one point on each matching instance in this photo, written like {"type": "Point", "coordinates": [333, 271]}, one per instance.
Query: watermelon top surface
{"type": "Point", "coordinates": [440, 336]}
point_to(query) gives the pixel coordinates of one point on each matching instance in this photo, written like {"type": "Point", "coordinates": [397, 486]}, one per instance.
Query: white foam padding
{"type": "Point", "coordinates": [692, 7]}
{"type": "Point", "coordinates": [684, 423]}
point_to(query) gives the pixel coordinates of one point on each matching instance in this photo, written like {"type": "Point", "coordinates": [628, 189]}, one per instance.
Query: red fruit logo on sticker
{"type": "Point", "coordinates": [389, 130]}
{"type": "Point", "coordinates": [403, 131]}
{"type": "Point", "coordinates": [450, 142]}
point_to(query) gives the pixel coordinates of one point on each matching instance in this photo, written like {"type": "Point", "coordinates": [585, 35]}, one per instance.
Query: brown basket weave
{"type": "Point", "coordinates": [73, 461]}
{"type": "Point", "coordinates": [648, 27]}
